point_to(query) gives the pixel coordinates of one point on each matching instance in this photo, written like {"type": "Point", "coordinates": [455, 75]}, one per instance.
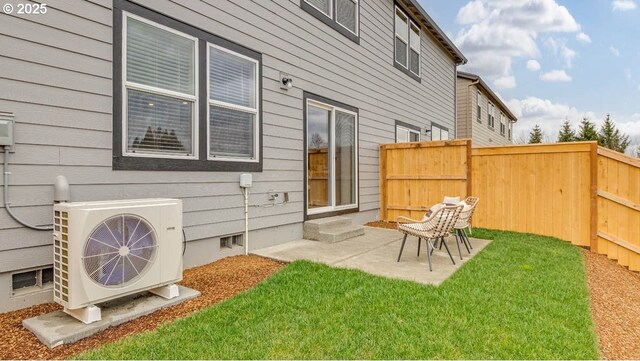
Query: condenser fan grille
{"type": "Point", "coordinates": [119, 250]}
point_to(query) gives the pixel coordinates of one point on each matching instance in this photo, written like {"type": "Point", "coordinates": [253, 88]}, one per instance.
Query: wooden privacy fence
{"type": "Point", "coordinates": [416, 175]}
{"type": "Point", "coordinates": [578, 192]}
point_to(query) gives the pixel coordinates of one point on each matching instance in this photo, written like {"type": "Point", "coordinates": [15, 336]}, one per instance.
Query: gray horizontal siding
{"type": "Point", "coordinates": [58, 83]}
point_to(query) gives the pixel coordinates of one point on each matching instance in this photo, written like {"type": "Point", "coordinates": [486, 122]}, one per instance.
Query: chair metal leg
{"type": "Point", "coordinates": [467, 239]}
{"type": "Point", "coordinates": [402, 247]}
{"type": "Point", "coordinates": [447, 248]}
{"type": "Point", "coordinates": [430, 248]}
{"type": "Point", "coordinates": [458, 244]}
{"type": "Point", "coordinates": [464, 241]}
{"type": "Point", "coordinates": [419, 241]}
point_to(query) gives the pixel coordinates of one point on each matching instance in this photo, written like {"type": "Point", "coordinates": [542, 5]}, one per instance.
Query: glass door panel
{"type": "Point", "coordinates": [318, 157]}
{"type": "Point", "coordinates": [345, 158]}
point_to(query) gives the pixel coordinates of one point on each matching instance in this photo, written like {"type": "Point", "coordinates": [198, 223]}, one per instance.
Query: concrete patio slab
{"type": "Point", "coordinates": [376, 252]}
{"type": "Point", "coordinates": [57, 328]}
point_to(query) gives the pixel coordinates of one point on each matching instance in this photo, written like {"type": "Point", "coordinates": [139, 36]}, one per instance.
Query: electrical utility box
{"type": "Point", "coordinates": [6, 128]}
{"type": "Point", "coordinates": [245, 180]}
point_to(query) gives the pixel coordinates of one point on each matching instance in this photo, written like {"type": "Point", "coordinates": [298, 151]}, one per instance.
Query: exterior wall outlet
{"type": "Point", "coordinates": [6, 128]}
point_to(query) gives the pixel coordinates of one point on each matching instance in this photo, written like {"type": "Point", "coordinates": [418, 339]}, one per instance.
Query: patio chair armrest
{"type": "Point", "coordinates": [402, 219]}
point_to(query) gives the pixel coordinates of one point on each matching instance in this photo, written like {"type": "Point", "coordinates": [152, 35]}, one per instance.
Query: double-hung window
{"type": "Point", "coordinates": [160, 91]}
{"type": "Point", "coordinates": [341, 15]}
{"type": "Point", "coordinates": [510, 129]}
{"type": "Point", "coordinates": [233, 105]}
{"type": "Point", "coordinates": [503, 124]}
{"type": "Point", "coordinates": [491, 117]}
{"type": "Point", "coordinates": [407, 44]}
{"type": "Point", "coordinates": [479, 107]}
{"type": "Point", "coordinates": [190, 100]}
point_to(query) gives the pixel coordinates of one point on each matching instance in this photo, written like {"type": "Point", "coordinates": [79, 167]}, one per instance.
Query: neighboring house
{"type": "Point", "coordinates": [159, 98]}
{"type": "Point", "coordinates": [481, 115]}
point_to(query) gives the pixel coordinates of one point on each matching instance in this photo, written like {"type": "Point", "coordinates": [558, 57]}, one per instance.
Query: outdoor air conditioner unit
{"type": "Point", "coordinates": [106, 250]}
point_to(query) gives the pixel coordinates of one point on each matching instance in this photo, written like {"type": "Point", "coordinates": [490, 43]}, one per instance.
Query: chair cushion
{"type": "Point", "coordinates": [451, 200]}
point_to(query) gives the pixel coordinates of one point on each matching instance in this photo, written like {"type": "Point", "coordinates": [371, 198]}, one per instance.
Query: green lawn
{"type": "Point", "coordinates": [523, 297]}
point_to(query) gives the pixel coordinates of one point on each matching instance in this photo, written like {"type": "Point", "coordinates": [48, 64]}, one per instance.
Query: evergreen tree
{"type": "Point", "coordinates": [566, 133]}
{"type": "Point", "coordinates": [609, 136]}
{"type": "Point", "coordinates": [535, 137]}
{"type": "Point", "coordinates": [587, 130]}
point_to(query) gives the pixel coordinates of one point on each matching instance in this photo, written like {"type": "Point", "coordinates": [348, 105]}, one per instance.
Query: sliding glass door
{"type": "Point", "coordinates": [332, 158]}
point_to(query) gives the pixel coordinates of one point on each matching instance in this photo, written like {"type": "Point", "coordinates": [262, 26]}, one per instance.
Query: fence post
{"type": "Point", "coordinates": [383, 182]}
{"type": "Point", "coordinates": [469, 186]}
{"type": "Point", "coordinates": [594, 197]}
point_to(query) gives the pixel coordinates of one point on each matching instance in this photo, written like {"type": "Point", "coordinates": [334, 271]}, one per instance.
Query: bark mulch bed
{"type": "Point", "coordinates": [216, 281]}
{"type": "Point", "coordinates": [615, 304]}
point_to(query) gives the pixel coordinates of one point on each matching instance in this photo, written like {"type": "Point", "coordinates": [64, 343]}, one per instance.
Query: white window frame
{"type": "Point", "coordinates": [126, 85]}
{"type": "Point", "coordinates": [329, 15]}
{"type": "Point", "coordinates": [409, 131]}
{"type": "Point", "coordinates": [256, 111]}
{"type": "Point", "coordinates": [332, 163]}
{"type": "Point", "coordinates": [333, 14]}
{"type": "Point", "coordinates": [492, 120]}
{"type": "Point", "coordinates": [357, 32]}
{"type": "Point", "coordinates": [503, 125]}
{"type": "Point", "coordinates": [397, 36]}
{"type": "Point", "coordinates": [417, 50]}
{"type": "Point", "coordinates": [440, 129]}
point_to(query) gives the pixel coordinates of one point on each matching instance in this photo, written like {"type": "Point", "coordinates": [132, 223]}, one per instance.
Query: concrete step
{"type": "Point", "coordinates": [338, 234]}
{"type": "Point", "coordinates": [312, 228]}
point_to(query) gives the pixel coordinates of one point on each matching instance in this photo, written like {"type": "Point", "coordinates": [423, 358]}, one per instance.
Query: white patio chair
{"type": "Point", "coordinates": [464, 222]}
{"type": "Point", "coordinates": [435, 227]}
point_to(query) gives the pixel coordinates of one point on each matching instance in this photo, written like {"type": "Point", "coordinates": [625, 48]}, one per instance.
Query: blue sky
{"type": "Point", "coordinates": [552, 60]}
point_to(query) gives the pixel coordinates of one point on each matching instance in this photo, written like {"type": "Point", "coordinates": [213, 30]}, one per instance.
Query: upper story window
{"type": "Point", "coordinates": [510, 129]}
{"type": "Point", "coordinates": [342, 15]}
{"type": "Point", "coordinates": [479, 107]}
{"type": "Point", "coordinates": [439, 133]}
{"type": "Point", "coordinates": [491, 115]}
{"type": "Point", "coordinates": [503, 124]}
{"type": "Point", "coordinates": [407, 44]}
{"type": "Point", "coordinates": [190, 100]}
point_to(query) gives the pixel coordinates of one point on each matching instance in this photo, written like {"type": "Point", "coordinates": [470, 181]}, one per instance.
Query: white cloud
{"type": "Point", "coordinates": [555, 76]}
{"type": "Point", "coordinates": [624, 5]}
{"type": "Point", "coordinates": [614, 51]}
{"type": "Point", "coordinates": [583, 38]}
{"type": "Point", "coordinates": [550, 116]}
{"type": "Point", "coordinates": [505, 82]}
{"type": "Point", "coordinates": [533, 65]}
{"type": "Point", "coordinates": [499, 31]}
{"type": "Point", "coordinates": [473, 12]}
{"type": "Point", "coordinates": [561, 50]}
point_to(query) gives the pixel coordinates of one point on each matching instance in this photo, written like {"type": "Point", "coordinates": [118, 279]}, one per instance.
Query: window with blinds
{"type": "Point", "coordinates": [233, 109]}
{"type": "Point", "coordinates": [407, 44]}
{"type": "Point", "coordinates": [341, 15]}
{"type": "Point", "coordinates": [414, 50]}
{"type": "Point", "coordinates": [491, 117]}
{"type": "Point", "coordinates": [402, 37]}
{"type": "Point", "coordinates": [190, 99]}
{"type": "Point", "coordinates": [160, 90]}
